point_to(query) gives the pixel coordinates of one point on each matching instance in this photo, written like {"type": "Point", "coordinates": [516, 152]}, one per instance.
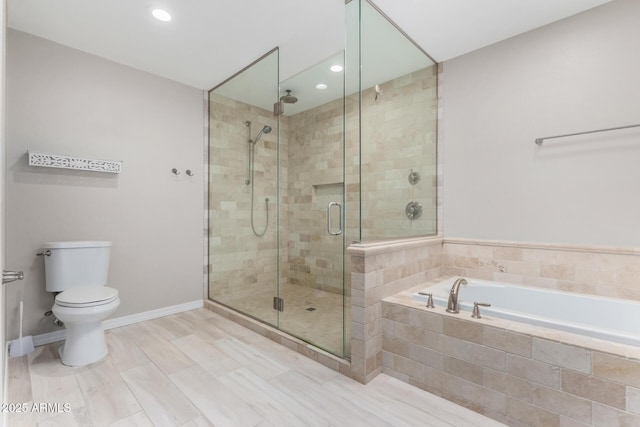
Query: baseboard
{"type": "Point", "coordinates": [117, 322]}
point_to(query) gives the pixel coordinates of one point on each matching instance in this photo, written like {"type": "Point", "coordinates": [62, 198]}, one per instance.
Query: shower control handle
{"type": "Point", "coordinates": [329, 227]}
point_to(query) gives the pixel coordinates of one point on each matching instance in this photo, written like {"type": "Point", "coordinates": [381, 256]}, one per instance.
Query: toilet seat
{"type": "Point", "coordinates": [86, 296]}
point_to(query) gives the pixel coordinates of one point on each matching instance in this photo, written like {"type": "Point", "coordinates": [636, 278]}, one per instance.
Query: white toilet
{"type": "Point", "coordinates": [79, 270]}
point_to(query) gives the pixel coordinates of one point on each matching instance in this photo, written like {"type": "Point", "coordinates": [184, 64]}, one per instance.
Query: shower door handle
{"type": "Point", "coordinates": [334, 233]}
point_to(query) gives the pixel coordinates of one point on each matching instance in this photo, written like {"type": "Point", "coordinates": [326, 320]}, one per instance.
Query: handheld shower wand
{"type": "Point", "coordinates": [249, 180]}
{"type": "Point", "coordinates": [266, 129]}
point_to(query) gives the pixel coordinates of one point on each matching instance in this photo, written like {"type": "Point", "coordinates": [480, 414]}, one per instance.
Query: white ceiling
{"type": "Point", "coordinates": [209, 40]}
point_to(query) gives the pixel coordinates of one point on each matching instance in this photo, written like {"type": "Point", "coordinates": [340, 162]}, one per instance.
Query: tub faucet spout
{"type": "Point", "coordinates": [452, 304]}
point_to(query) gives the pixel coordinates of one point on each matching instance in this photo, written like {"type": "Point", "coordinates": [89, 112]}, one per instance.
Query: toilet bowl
{"type": "Point", "coordinates": [82, 311]}
{"type": "Point", "coordinates": [77, 273]}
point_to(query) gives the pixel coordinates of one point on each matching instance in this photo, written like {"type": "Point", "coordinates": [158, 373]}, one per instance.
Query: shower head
{"type": "Point", "coordinates": [288, 98]}
{"type": "Point", "coordinates": [266, 129]}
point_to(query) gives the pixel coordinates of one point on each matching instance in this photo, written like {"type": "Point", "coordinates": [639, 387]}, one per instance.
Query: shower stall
{"type": "Point", "coordinates": [301, 167]}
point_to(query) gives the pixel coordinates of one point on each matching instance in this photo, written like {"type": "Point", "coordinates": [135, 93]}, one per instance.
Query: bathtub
{"type": "Point", "coordinates": [605, 318]}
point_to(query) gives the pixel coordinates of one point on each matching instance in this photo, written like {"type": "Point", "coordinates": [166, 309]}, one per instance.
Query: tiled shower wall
{"type": "Point", "coordinates": [398, 137]}
{"type": "Point", "coordinates": [241, 262]}
{"type": "Point", "coordinates": [315, 140]}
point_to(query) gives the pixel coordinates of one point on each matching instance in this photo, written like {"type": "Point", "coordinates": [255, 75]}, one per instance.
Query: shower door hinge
{"type": "Point", "coordinates": [278, 304]}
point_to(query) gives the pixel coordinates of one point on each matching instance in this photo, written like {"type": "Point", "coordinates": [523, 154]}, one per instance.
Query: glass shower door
{"type": "Point", "coordinates": [312, 282]}
{"type": "Point", "coordinates": [243, 191]}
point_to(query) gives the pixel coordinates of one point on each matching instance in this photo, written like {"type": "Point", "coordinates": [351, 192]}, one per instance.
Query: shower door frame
{"type": "Point", "coordinates": [272, 318]}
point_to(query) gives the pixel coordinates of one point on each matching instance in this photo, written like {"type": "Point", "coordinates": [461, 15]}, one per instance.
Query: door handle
{"type": "Point", "coordinates": [11, 276]}
{"type": "Point", "coordinates": [334, 233]}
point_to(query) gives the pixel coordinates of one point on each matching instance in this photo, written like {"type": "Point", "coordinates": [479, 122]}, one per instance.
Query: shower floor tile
{"type": "Point", "coordinates": [310, 314]}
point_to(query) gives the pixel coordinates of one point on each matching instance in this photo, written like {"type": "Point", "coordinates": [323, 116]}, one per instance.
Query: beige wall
{"type": "Point", "coordinates": [63, 101]}
{"type": "Point", "coordinates": [575, 75]}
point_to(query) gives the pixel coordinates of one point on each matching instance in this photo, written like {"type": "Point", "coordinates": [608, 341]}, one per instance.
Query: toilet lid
{"type": "Point", "coordinates": [86, 296]}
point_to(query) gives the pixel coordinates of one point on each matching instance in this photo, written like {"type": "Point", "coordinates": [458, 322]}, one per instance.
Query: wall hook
{"type": "Point", "coordinates": [188, 172]}
{"type": "Point", "coordinates": [175, 171]}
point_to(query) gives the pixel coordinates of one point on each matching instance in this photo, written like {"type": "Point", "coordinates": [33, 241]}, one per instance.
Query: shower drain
{"type": "Point", "coordinates": [310, 309]}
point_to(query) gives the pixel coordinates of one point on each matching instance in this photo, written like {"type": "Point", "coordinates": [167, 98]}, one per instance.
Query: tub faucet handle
{"type": "Point", "coordinates": [476, 309]}
{"type": "Point", "coordinates": [429, 299]}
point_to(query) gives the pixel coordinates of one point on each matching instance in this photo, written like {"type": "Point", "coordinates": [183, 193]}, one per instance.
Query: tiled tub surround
{"type": "Point", "coordinates": [604, 271]}
{"type": "Point", "coordinates": [519, 374]}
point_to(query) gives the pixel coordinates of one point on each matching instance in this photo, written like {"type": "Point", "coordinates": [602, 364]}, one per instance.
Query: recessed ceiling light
{"type": "Point", "coordinates": [336, 68]}
{"type": "Point", "coordinates": [321, 86]}
{"type": "Point", "coordinates": [161, 15]}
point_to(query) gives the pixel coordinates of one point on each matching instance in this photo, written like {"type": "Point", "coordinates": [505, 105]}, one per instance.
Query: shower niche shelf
{"type": "Point", "coordinates": [75, 163]}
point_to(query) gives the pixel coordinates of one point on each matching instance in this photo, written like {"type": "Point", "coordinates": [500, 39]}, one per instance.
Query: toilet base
{"type": "Point", "coordinates": [85, 343]}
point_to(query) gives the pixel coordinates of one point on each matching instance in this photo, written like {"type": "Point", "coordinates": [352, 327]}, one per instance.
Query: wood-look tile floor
{"type": "Point", "coordinates": [200, 369]}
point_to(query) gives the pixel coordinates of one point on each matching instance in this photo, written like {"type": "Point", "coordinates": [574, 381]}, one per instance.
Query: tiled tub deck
{"type": "Point", "coordinates": [518, 374]}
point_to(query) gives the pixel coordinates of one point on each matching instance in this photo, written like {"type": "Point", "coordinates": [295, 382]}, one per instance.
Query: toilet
{"type": "Point", "coordinates": [78, 271]}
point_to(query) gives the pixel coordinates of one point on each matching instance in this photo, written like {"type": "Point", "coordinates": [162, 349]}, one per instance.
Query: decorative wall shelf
{"type": "Point", "coordinates": [77, 163]}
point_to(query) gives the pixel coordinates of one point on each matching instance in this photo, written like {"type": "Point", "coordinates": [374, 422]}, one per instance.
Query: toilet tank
{"type": "Point", "coordinates": [76, 264]}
